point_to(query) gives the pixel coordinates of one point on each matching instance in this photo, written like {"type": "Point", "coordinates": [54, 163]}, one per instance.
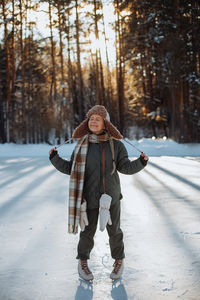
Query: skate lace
{"type": "Point", "coordinates": [84, 267]}
{"type": "Point", "coordinates": [117, 265]}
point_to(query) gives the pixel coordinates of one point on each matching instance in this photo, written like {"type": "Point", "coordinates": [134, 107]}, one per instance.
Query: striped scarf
{"type": "Point", "coordinates": [77, 176]}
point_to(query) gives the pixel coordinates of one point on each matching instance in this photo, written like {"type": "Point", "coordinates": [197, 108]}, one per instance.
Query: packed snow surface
{"type": "Point", "coordinates": [151, 147]}
{"type": "Point", "coordinates": [160, 219]}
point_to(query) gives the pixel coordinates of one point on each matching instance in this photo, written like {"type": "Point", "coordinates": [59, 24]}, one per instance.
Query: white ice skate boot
{"type": "Point", "coordinates": [83, 270]}
{"type": "Point", "coordinates": [118, 269]}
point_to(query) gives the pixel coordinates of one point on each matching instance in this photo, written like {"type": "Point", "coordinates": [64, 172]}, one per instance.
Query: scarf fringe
{"type": "Point", "coordinates": [72, 229]}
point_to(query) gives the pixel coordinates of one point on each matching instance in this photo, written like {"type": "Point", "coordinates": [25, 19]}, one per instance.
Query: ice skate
{"type": "Point", "coordinates": [118, 269]}
{"type": "Point", "coordinates": [84, 271]}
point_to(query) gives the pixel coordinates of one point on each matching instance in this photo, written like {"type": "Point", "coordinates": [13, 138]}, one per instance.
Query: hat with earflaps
{"type": "Point", "coordinates": [100, 110]}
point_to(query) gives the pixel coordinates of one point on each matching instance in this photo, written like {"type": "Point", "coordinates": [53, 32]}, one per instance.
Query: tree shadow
{"type": "Point", "coordinates": [194, 158]}
{"type": "Point", "coordinates": [118, 291]}
{"type": "Point", "coordinates": [16, 175]}
{"type": "Point", "coordinates": [84, 290]}
{"type": "Point", "coordinates": [14, 201]}
{"type": "Point", "coordinates": [174, 194]}
{"type": "Point", "coordinates": [193, 185]}
{"type": "Point", "coordinates": [191, 253]}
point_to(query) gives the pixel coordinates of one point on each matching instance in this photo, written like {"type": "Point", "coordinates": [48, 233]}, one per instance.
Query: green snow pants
{"type": "Point", "coordinates": [86, 241]}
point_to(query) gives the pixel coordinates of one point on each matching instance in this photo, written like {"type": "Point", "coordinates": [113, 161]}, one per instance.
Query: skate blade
{"type": "Point", "coordinates": [115, 281]}
{"type": "Point", "coordinates": [85, 280]}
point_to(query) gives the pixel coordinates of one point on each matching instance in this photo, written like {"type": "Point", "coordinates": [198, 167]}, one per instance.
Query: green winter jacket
{"type": "Point", "coordinates": [93, 183]}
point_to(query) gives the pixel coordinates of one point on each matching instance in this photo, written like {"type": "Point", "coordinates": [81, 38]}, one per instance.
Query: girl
{"type": "Point", "coordinates": [94, 189]}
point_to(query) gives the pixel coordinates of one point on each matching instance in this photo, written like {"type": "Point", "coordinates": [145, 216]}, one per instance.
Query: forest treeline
{"type": "Point", "coordinates": [49, 81]}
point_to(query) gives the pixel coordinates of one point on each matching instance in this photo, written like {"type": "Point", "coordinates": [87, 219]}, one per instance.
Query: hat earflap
{"type": "Point", "coordinates": [112, 130]}
{"type": "Point", "coordinates": [81, 130]}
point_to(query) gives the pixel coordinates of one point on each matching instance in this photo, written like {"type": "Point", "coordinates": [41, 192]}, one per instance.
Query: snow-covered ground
{"type": "Point", "coordinates": [160, 220]}
{"type": "Point", "coordinates": [151, 147]}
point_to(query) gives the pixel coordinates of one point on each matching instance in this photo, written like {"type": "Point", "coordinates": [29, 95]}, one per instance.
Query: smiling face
{"type": "Point", "coordinates": [96, 124]}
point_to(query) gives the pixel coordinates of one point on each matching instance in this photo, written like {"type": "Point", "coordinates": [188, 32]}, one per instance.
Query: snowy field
{"type": "Point", "coordinates": [160, 220]}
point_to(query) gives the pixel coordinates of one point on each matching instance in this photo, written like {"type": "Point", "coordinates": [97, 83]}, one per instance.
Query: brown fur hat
{"type": "Point", "coordinates": [100, 110]}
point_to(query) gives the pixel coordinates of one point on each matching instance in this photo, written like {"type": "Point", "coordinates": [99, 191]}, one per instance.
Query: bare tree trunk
{"type": "Point", "coordinates": [97, 75]}
{"type": "Point", "coordinates": [13, 45]}
{"type": "Point", "coordinates": [103, 100]}
{"type": "Point", "coordinates": [80, 76]}
{"type": "Point", "coordinates": [119, 67]}
{"type": "Point", "coordinates": [53, 91]}
{"type": "Point", "coordinates": [22, 109]}
{"type": "Point", "coordinates": [53, 88]}
{"type": "Point", "coordinates": [109, 84]}
{"type": "Point", "coordinates": [98, 92]}
{"type": "Point", "coordinates": [7, 91]}
{"type": "Point", "coordinates": [73, 98]}
{"type": "Point", "coordinates": [12, 115]}
{"type": "Point", "coordinates": [150, 78]}
{"type": "Point", "coordinates": [27, 60]}
{"type": "Point", "coordinates": [63, 100]}
{"type": "Point", "coordinates": [29, 119]}
{"type": "Point", "coordinates": [143, 77]}
{"type": "Point", "coordinates": [61, 49]}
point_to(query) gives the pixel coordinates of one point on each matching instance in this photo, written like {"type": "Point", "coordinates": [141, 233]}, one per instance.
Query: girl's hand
{"type": "Point", "coordinates": [144, 156]}
{"type": "Point", "coordinates": [52, 150]}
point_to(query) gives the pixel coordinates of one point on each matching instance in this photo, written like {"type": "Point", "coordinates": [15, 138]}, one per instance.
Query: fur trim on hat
{"type": "Point", "coordinates": [97, 110]}
{"type": "Point", "coordinates": [83, 129]}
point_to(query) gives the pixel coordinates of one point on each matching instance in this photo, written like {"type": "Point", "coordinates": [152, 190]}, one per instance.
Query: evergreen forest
{"type": "Point", "coordinates": [139, 58]}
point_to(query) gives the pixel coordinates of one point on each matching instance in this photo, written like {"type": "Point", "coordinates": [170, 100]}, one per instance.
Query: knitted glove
{"type": "Point", "coordinates": [144, 162]}
{"type": "Point", "coordinates": [55, 152]}
{"type": "Point", "coordinates": [83, 217]}
{"type": "Point", "coordinates": [104, 213]}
